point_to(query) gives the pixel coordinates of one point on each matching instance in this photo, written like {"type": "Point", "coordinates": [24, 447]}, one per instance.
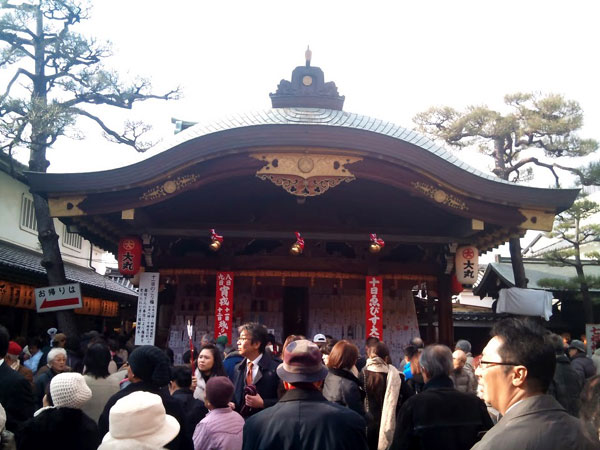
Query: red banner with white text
{"type": "Point", "coordinates": [374, 307]}
{"type": "Point", "coordinates": [224, 305]}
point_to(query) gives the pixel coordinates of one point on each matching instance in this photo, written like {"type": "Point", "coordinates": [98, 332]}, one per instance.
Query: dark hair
{"type": "Point", "coordinates": [34, 341]}
{"type": "Point", "coordinates": [186, 356]}
{"type": "Point", "coordinates": [48, 395]}
{"type": "Point", "coordinates": [343, 355]}
{"type": "Point", "coordinates": [328, 346]}
{"type": "Point", "coordinates": [523, 343]}
{"type": "Point", "coordinates": [182, 375]}
{"type": "Point", "coordinates": [372, 340]}
{"type": "Point", "coordinates": [257, 332]}
{"type": "Point", "coordinates": [217, 368]}
{"type": "Point", "coordinates": [556, 342]}
{"type": "Point", "coordinates": [96, 360]}
{"type": "Point", "coordinates": [4, 339]}
{"type": "Point", "coordinates": [375, 382]}
{"type": "Point", "coordinates": [170, 355]}
{"type": "Point", "coordinates": [410, 351]}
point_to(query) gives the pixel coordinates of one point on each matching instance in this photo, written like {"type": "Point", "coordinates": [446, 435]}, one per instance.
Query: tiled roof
{"type": "Point", "coordinates": [534, 271]}
{"type": "Point", "coordinates": [317, 116]}
{"type": "Point", "coordinates": [22, 259]}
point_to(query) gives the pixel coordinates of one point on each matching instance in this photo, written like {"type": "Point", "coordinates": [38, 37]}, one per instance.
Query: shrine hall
{"type": "Point", "coordinates": [309, 204]}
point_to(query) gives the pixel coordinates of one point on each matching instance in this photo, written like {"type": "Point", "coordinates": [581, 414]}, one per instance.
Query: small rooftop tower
{"type": "Point", "coordinates": [307, 89]}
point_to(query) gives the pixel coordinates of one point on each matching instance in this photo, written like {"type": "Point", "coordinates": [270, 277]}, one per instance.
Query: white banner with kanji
{"type": "Point", "coordinates": [224, 305]}
{"type": "Point", "coordinates": [374, 307]}
{"type": "Point", "coordinates": [145, 328]}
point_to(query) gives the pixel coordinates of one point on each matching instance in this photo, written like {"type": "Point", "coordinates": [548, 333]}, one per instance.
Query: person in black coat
{"type": "Point", "coordinates": [62, 425]}
{"type": "Point", "coordinates": [440, 416]}
{"type": "Point", "coordinates": [15, 391]}
{"type": "Point", "coordinates": [149, 371]}
{"type": "Point", "coordinates": [566, 385]}
{"type": "Point", "coordinates": [341, 385]}
{"type": "Point", "coordinates": [303, 418]}
{"type": "Point", "coordinates": [256, 380]}
{"type": "Point", "coordinates": [180, 389]}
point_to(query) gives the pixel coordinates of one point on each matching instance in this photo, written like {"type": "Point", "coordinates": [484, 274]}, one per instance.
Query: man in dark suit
{"type": "Point", "coordinates": [15, 391]}
{"type": "Point", "coordinates": [257, 369]}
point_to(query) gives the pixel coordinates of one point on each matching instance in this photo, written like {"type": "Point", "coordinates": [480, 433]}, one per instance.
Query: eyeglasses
{"type": "Point", "coordinates": [486, 364]}
{"type": "Point", "coordinates": [244, 339]}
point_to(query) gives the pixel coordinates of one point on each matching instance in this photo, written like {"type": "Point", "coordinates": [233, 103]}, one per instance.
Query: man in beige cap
{"type": "Point", "coordinates": [303, 418]}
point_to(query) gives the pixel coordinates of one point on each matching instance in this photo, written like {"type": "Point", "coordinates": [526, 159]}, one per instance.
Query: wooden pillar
{"type": "Point", "coordinates": [445, 323]}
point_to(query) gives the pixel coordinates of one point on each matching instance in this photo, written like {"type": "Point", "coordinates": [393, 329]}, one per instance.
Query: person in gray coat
{"type": "Point", "coordinates": [516, 368]}
{"type": "Point", "coordinates": [583, 365]}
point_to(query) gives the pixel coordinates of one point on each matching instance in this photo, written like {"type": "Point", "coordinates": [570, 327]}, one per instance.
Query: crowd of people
{"type": "Point", "coordinates": [528, 389]}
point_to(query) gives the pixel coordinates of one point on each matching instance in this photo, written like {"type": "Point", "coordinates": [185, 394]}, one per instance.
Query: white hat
{"type": "Point", "coordinates": [140, 416]}
{"type": "Point", "coordinates": [319, 338]}
{"type": "Point", "coordinates": [69, 390]}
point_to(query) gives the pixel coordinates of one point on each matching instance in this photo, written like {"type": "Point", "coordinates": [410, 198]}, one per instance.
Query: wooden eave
{"type": "Point", "coordinates": [250, 139]}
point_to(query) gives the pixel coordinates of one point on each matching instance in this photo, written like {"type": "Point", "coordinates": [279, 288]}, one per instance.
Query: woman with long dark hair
{"type": "Point", "coordinates": [209, 364]}
{"type": "Point", "coordinates": [382, 383]}
{"type": "Point", "coordinates": [96, 360]}
{"type": "Point", "coordinates": [341, 384]}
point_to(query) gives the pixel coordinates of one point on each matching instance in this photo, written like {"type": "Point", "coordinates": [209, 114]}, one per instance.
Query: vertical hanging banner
{"type": "Point", "coordinates": [374, 307]}
{"type": "Point", "coordinates": [224, 305]}
{"type": "Point", "coordinates": [145, 329]}
{"type": "Point", "coordinates": [592, 335]}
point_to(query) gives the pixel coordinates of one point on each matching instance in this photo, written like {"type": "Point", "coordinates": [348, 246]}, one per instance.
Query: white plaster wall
{"type": "Point", "coordinates": [11, 193]}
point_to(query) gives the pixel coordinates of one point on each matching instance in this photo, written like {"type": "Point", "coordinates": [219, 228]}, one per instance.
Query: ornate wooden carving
{"type": "Point", "coordinates": [305, 175]}
{"type": "Point", "coordinates": [440, 196]}
{"type": "Point", "coordinates": [169, 187]}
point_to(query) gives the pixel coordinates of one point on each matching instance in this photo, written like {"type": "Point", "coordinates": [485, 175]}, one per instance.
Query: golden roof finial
{"type": "Point", "coordinates": [308, 55]}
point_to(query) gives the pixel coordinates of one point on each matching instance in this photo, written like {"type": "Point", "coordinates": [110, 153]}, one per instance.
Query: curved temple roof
{"type": "Point", "coordinates": [305, 127]}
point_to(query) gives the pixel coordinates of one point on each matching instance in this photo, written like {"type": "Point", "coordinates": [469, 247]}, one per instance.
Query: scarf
{"type": "Point", "coordinates": [199, 392]}
{"type": "Point", "coordinates": [390, 400]}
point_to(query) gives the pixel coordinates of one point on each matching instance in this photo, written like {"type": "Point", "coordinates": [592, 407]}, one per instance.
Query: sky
{"type": "Point", "coordinates": [391, 59]}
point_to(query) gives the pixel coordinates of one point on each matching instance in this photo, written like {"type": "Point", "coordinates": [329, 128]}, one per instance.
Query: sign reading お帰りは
{"type": "Point", "coordinates": [374, 307]}
{"type": "Point", "coordinates": [224, 305]}
{"type": "Point", "coordinates": [56, 298]}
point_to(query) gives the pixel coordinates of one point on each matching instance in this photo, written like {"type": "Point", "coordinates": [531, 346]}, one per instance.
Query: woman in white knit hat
{"type": "Point", "coordinates": [62, 425]}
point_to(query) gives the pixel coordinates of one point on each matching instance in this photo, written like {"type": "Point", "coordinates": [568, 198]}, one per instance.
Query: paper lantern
{"type": "Point", "coordinates": [467, 264]}
{"type": "Point", "coordinates": [130, 255]}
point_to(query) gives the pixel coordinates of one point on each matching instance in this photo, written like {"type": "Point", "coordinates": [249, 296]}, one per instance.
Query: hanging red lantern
{"type": "Point", "coordinates": [455, 287]}
{"type": "Point", "coordinates": [376, 243]}
{"type": "Point", "coordinates": [130, 255]}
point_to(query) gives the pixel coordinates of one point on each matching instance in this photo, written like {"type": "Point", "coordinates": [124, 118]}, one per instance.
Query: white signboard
{"type": "Point", "coordinates": [145, 329]}
{"type": "Point", "coordinates": [56, 298]}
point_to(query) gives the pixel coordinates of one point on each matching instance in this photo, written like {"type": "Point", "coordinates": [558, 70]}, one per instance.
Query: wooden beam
{"type": "Point", "coordinates": [446, 327]}
{"type": "Point", "coordinates": [317, 236]}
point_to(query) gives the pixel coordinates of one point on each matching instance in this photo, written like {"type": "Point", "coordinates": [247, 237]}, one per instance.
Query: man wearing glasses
{"type": "Point", "coordinates": [516, 368]}
{"type": "Point", "coordinates": [255, 377]}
